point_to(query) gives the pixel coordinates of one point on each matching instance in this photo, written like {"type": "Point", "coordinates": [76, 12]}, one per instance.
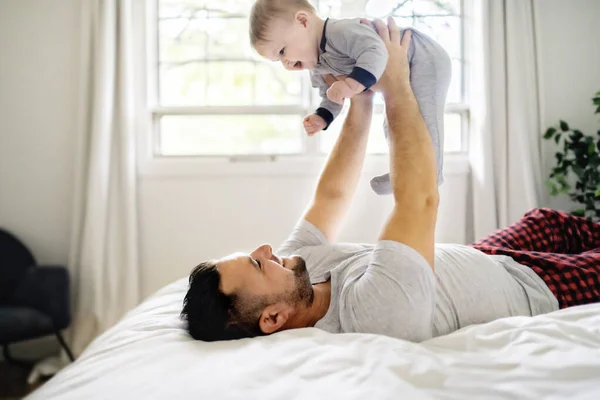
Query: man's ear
{"type": "Point", "coordinates": [302, 18]}
{"type": "Point", "coordinates": [274, 317]}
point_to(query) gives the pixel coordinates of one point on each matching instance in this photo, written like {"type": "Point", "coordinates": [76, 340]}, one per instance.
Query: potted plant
{"type": "Point", "coordinates": [578, 163]}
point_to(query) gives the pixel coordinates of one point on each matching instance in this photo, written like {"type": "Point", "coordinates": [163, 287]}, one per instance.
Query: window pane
{"type": "Point", "coordinates": [230, 135]}
{"type": "Point", "coordinates": [275, 85]}
{"type": "Point", "coordinates": [437, 7]}
{"type": "Point", "coordinates": [230, 83]}
{"type": "Point", "coordinates": [205, 58]}
{"type": "Point", "coordinates": [330, 8]}
{"type": "Point", "coordinates": [377, 143]}
{"type": "Point", "coordinates": [183, 85]}
{"type": "Point", "coordinates": [215, 7]}
{"type": "Point", "coordinates": [228, 37]}
{"type": "Point", "coordinates": [409, 8]}
{"type": "Point", "coordinates": [445, 30]}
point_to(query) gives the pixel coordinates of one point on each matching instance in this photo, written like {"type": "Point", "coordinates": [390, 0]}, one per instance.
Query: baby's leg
{"type": "Point", "coordinates": [430, 73]}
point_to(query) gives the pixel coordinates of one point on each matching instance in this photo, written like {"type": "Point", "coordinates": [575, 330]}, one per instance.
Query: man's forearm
{"type": "Point", "coordinates": [412, 160]}
{"type": "Point", "coordinates": [342, 170]}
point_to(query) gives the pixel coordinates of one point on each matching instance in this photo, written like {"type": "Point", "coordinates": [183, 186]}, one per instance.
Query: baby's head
{"type": "Point", "coordinates": [286, 30]}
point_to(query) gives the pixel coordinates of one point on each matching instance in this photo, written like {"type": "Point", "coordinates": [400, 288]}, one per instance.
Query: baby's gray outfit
{"type": "Point", "coordinates": [354, 49]}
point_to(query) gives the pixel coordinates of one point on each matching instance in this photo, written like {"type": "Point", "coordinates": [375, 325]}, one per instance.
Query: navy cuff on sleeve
{"type": "Point", "coordinates": [326, 115]}
{"type": "Point", "coordinates": [363, 77]}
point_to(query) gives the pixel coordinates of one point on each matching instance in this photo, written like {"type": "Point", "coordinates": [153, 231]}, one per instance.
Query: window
{"type": "Point", "coordinates": [211, 95]}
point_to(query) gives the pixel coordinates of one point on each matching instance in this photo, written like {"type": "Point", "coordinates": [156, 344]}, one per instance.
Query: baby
{"type": "Point", "coordinates": [291, 32]}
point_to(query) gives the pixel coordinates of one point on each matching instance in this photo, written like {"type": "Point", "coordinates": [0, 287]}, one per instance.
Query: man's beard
{"type": "Point", "coordinates": [303, 290]}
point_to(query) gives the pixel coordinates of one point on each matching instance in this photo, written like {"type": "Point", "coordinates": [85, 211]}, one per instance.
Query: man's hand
{"type": "Point", "coordinates": [397, 72]}
{"type": "Point", "coordinates": [314, 123]}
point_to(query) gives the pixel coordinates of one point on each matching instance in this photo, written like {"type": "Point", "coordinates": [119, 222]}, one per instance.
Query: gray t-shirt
{"type": "Point", "coordinates": [388, 288]}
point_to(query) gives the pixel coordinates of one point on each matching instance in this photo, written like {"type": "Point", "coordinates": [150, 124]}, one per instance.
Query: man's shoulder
{"type": "Point", "coordinates": [304, 234]}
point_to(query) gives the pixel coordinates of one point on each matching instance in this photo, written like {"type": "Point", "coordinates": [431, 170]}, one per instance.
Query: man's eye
{"type": "Point", "coordinates": [281, 52]}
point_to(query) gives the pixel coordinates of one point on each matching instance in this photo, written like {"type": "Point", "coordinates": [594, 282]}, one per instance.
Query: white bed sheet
{"type": "Point", "coordinates": [148, 355]}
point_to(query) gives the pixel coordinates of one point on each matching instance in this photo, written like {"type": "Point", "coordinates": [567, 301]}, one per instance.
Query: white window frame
{"type": "Point", "coordinates": [307, 163]}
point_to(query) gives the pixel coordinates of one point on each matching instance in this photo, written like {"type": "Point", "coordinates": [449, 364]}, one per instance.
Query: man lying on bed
{"type": "Point", "coordinates": [403, 286]}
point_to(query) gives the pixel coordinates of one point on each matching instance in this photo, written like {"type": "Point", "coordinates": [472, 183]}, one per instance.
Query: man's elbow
{"type": "Point", "coordinates": [432, 201]}
{"type": "Point", "coordinates": [331, 192]}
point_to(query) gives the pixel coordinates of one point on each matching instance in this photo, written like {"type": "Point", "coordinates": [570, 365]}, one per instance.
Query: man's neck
{"type": "Point", "coordinates": [308, 317]}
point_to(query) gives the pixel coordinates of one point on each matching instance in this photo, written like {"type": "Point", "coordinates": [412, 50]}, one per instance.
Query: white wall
{"type": "Point", "coordinates": [184, 220]}
{"type": "Point", "coordinates": [569, 38]}
{"type": "Point", "coordinates": [38, 94]}
{"type": "Point", "coordinates": [38, 85]}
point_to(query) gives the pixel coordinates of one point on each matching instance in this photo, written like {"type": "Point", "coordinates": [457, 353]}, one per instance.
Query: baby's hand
{"type": "Point", "coordinates": [313, 124]}
{"type": "Point", "coordinates": [339, 91]}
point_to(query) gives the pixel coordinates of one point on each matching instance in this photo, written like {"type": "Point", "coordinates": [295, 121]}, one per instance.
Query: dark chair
{"type": "Point", "coordinates": [34, 301]}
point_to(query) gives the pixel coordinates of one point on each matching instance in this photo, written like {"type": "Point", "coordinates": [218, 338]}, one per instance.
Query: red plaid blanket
{"type": "Point", "coordinates": [562, 249]}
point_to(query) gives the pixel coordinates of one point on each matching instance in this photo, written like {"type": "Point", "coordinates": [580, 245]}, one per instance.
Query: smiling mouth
{"type": "Point", "coordinates": [298, 64]}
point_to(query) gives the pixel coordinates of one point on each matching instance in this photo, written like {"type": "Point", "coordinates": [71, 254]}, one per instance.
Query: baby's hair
{"type": "Point", "coordinates": [265, 11]}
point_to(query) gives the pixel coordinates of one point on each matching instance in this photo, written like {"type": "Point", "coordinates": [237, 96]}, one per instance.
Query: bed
{"type": "Point", "coordinates": [148, 355]}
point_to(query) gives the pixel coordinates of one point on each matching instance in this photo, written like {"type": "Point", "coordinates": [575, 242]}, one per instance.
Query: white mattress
{"type": "Point", "coordinates": [148, 355]}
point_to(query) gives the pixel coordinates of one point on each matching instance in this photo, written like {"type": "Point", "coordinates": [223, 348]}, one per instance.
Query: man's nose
{"type": "Point", "coordinates": [266, 251]}
{"type": "Point", "coordinates": [269, 251]}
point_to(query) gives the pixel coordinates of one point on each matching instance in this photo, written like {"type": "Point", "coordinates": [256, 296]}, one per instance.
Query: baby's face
{"type": "Point", "coordinates": [291, 43]}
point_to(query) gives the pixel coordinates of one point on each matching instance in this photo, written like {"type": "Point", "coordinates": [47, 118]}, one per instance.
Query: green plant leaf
{"type": "Point", "coordinates": [551, 187]}
{"type": "Point", "coordinates": [573, 197]}
{"type": "Point", "coordinates": [557, 138]}
{"type": "Point", "coordinates": [580, 162]}
{"type": "Point", "coordinates": [578, 134]}
{"type": "Point", "coordinates": [597, 110]}
{"type": "Point", "coordinates": [549, 133]}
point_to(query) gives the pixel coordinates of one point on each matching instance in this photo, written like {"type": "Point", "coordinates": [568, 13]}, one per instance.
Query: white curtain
{"type": "Point", "coordinates": [104, 246]}
{"type": "Point", "coordinates": [505, 142]}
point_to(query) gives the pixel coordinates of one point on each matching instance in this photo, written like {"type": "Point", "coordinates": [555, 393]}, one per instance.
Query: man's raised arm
{"type": "Point", "coordinates": [413, 170]}
{"type": "Point", "coordinates": [339, 178]}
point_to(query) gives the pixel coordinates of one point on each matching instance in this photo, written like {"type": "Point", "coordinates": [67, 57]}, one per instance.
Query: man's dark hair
{"type": "Point", "coordinates": [213, 315]}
